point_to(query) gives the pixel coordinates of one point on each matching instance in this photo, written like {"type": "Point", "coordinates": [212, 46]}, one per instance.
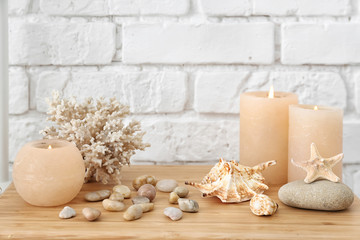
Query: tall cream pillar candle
{"type": "Point", "coordinates": [264, 132]}
{"type": "Point", "coordinates": [4, 96]}
{"type": "Point", "coordinates": [318, 124]}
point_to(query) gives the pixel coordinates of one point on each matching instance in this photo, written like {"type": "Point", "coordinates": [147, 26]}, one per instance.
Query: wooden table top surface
{"type": "Point", "coordinates": [215, 220]}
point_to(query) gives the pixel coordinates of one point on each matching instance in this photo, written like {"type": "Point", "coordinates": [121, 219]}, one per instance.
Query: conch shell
{"type": "Point", "coordinates": [263, 205]}
{"type": "Point", "coordinates": [232, 182]}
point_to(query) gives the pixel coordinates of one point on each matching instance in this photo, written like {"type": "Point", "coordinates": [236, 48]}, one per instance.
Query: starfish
{"type": "Point", "coordinates": [318, 167]}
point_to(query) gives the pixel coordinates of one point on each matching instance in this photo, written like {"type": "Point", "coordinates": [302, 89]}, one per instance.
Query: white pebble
{"type": "Point", "coordinates": [67, 212]}
{"type": "Point", "coordinates": [166, 185]}
{"type": "Point", "coordinates": [173, 213]}
{"type": "Point", "coordinates": [188, 205]}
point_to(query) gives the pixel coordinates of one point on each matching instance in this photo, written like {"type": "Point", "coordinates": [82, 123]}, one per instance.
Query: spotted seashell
{"type": "Point", "coordinates": [232, 182]}
{"type": "Point", "coordinates": [263, 205]}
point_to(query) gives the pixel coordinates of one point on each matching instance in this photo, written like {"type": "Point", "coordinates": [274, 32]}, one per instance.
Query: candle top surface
{"type": "Point", "coordinates": [50, 144]}
{"type": "Point", "coordinates": [265, 94]}
{"type": "Point", "coordinates": [309, 107]}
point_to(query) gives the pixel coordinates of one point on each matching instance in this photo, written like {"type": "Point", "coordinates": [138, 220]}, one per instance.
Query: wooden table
{"type": "Point", "coordinates": [20, 220]}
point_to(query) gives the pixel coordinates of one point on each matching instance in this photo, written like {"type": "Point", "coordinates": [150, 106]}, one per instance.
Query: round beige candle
{"type": "Point", "coordinates": [48, 172]}
{"type": "Point", "coordinates": [264, 132]}
{"type": "Point", "coordinates": [323, 126]}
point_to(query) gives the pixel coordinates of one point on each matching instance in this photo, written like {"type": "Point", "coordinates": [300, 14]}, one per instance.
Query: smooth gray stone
{"type": "Point", "coordinates": [188, 205]}
{"type": "Point", "coordinates": [320, 195]}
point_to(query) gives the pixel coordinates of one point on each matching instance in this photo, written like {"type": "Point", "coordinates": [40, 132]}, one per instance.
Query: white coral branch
{"type": "Point", "coordinates": [98, 130]}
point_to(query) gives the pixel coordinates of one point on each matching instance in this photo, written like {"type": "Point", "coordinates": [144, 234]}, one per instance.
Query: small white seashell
{"type": "Point", "coordinates": [263, 205]}
{"type": "Point", "coordinates": [67, 212]}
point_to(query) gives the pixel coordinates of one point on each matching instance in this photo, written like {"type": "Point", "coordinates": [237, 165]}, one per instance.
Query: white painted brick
{"type": "Point", "coordinates": [18, 91]}
{"type": "Point", "coordinates": [226, 7]}
{"type": "Point", "coordinates": [145, 92]}
{"type": "Point", "coordinates": [331, 43]}
{"type": "Point", "coordinates": [49, 82]}
{"type": "Point", "coordinates": [219, 92]}
{"type": "Point", "coordinates": [302, 7]}
{"type": "Point", "coordinates": [357, 91]}
{"type": "Point", "coordinates": [34, 75]}
{"type": "Point", "coordinates": [23, 129]}
{"type": "Point", "coordinates": [61, 43]}
{"type": "Point", "coordinates": [75, 7]}
{"type": "Point", "coordinates": [313, 87]}
{"type": "Point", "coordinates": [156, 92]}
{"type": "Point", "coordinates": [205, 43]}
{"type": "Point", "coordinates": [18, 7]}
{"type": "Point", "coordinates": [190, 140]}
{"type": "Point", "coordinates": [357, 183]}
{"type": "Point", "coordinates": [115, 7]}
{"type": "Point", "coordinates": [349, 172]}
{"type": "Point", "coordinates": [149, 7]}
{"type": "Point", "coordinates": [351, 141]}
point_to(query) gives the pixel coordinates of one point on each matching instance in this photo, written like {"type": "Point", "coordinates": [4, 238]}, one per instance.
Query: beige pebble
{"type": "Point", "coordinates": [97, 196]}
{"type": "Point", "coordinates": [166, 185]}
{"type": "Point", "coordinates": [124, 190]}
{"type": "Point", "coordinates": [181, 191]}
{"type": "Point", "coordinates": [67, 212]}
{"type": "Point", "coordinates": [91, 214]}
{"type": "Point", "coordinates": [116, 196]}
{"type": "Point", "coordinates": [147, 190]}
{"type": "Point", "coordinates": [113, 206]}
{"type": "Point", "coordinates": [146, 207]}
{"type": "Point", "coordinates": [140, 199]}
{"type": "Point", "coordinates": [188, 205]}
{"type": "Point", "coordinates": [144, 179]}
{"type": "Point", "coordinates": [173, 198]}
{"type": "Point", "coordinates": [133, 212]}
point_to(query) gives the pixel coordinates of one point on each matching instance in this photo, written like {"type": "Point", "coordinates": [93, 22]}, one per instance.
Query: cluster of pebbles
{"type": "Point", "coordinates": [146, 187]}
{"type": "Point", "coordinates": [177, 196]}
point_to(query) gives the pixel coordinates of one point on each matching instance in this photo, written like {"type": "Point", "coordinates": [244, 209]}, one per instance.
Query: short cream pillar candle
{"type": "Point", "coordinates": [264, 131]}
{"type": "Point", "coordinates": [314, 124]}
{"type": "Point", "coordinates": [48, 172]}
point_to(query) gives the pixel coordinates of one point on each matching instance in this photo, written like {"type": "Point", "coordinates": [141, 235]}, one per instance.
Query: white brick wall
{"type": "Point", "coordinates": [302, 7]}
{"type": "Point", "coordinates": [61, 43]}
{"type": "Point", "coordinates": [181, 65]}
{"type": "Point", "coordinates": [320, 43]}
{"type": "Point", "coordinates": [201, 43]}
{"type": "Point", "coordinates": [115, 7]}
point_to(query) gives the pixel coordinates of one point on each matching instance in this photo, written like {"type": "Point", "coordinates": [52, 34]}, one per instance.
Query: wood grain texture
{"type": "Point", "coordinates": [215, 220]}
